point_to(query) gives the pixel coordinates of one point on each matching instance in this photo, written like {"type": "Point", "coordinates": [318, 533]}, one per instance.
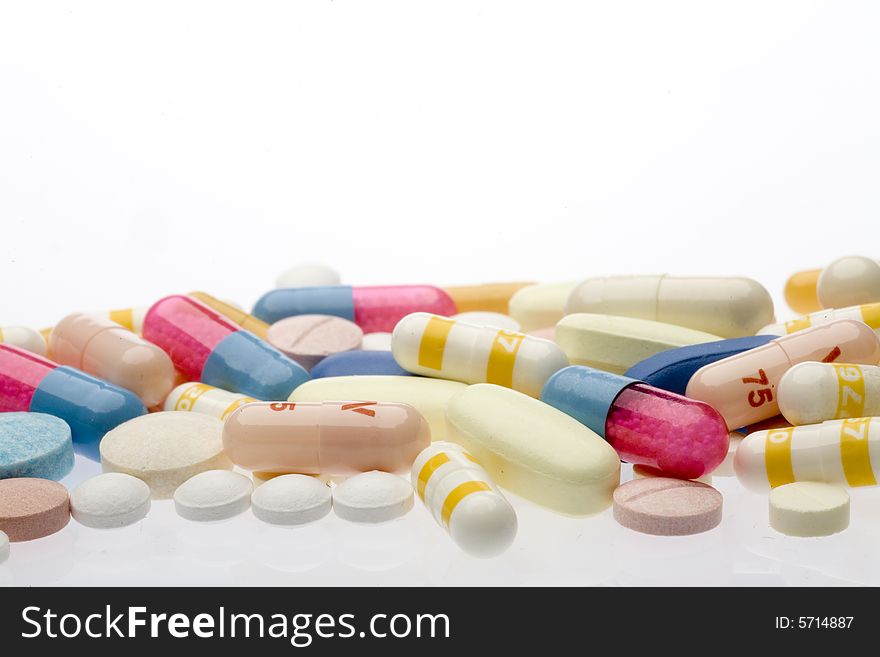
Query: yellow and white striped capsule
{"type": "Point", "coordinates": [462, 498]}
{"type": "Point", "coordinates": [25, 338]}
{"type": "Point", "coordinates": [813, 392]}
{"type": "Point", "coordinates": [868, 313]}
{"type": "Point", "coordinates": [205, 399]}
{"type": "Point", "coordinates": [845, 452]}
{"type": "Point", "coordinates": [444, 348]}
{"type": "Point", "coordinates": [130, 318]}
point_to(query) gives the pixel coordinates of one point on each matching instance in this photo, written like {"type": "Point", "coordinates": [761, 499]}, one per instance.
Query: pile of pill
{"type": "Point", "coordinates": [357, 400]}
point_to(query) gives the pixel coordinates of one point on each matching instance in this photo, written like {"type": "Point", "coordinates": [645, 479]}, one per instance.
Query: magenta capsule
{"type": "Point", "coordinates": [682, 437]}
{"type": "Point", "coordinates": [206, 346]}
{"type": "Point", "coordinates": [91, 406]}
{"type": "Point", "coordinates": [374, 309]}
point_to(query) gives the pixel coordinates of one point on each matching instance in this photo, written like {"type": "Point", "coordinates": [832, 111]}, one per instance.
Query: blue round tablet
{"type": "Point", "coordinates": [34, 445]}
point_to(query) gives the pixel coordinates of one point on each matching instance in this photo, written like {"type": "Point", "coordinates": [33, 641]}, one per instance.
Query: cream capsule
{"type": "Point", "coordinates": [24, 338]}
{"type": "Point", "coordinates": [328, 438]}
{"type": "Point", "coordinates": [103, 348]}
{"type": "Point", "coordinates": [868, 313]}
{"type": "Point", "coordinates": [727, 307]}
{"type": "Point", "coordinates": [811, 392]}
{"type": "Point", "coordinates": [541, 305]}
{"type": "Point", "coordinates": [843, 452]}
{"type": "Point", "coordinates": [743, 387]}
{"type": "Point", "coordinates": [849, 281]}
{"type": "Point", "coordinates": [440, 347]}
{"type": "Point", "coordinates": [201, 398]}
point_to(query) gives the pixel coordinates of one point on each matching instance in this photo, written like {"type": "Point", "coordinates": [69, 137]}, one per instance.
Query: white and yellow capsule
{"type": "Point", "coordinates": [202, 398]}
{"type": "Point", "coordinates": [868, 313]}
{"type": "Point", "coordinates": [813, 392]}
{"type": "Point", "coordinates": [845, 452]}
{"type": "Point", "coordinates": [463, 499]}
{"type": "Point", "coordinates": [444, 348]}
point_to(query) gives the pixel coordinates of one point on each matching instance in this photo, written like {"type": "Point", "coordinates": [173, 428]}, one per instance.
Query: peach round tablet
{"type": "Point", "coordinates": [308, 339]}
{"type": "Point", "coordinates": [32, 508]}
{"type": "Point", "coordinates": [667, 507]}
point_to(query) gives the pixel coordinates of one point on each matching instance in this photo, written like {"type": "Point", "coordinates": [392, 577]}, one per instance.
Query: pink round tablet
{"type": "Point", "coordinates": [667, 507]}
{"type": "Point", "coordinates": [32, 508]}
{"type": "Point", "coordinates": [308, 339]}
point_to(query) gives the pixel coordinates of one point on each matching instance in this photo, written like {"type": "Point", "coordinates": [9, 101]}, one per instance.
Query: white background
{"type": "Point", "coordinates": [169, 146]}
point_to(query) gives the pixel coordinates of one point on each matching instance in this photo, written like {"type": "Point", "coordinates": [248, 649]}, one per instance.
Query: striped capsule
{"type": "Point", "coordinates": [444, 348]}
{"type": "Point", "coordinates": [835, 452]}
{"type": "Point", "coordinates": [248, 322]}
{"type": "Point", "coordinates": [202, 398]}
{"type": "Point", "coordinates": [463, 499]}
{"type": "Point", "coordinates": [868, 313]}
{"type": "Point", "coordinates": [812, 392]}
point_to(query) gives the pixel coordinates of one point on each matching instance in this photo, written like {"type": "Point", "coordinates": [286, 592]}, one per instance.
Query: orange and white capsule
{"type": "Point", "coordinates": [743, 387]}
{"type": "Point", "coordinates": [845, 452]}
{"type": "Point", "coordinates": [101, 347]}
{"type": "Point", "coordinates": [328, 438]}
{"type": "Point", "coordinates": [868, 313]}
{"type": "Point", "coordinates": [201, 398]}
{"type": "Point", "coordinates": [444, 348]}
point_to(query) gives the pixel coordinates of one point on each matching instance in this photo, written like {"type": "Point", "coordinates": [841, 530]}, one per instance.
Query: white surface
{"type": "Point", "coordinates": [148, 150]}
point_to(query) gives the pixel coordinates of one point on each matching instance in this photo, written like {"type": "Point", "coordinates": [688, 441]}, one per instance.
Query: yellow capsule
{"type": "Point", "coordinates": [492, 297]}
{"type": "Point", "coordinates": [800, 291]}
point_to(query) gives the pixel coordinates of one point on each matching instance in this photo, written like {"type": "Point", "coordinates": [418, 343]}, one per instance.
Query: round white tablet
{"type": "Point", "coordinates": [112, 499]}
{"type": "Point", "coordinates": [213, 495]}
{"type": "Point", "coordinates": [308, 274]}
{"type": "Point", "coordinates": [376, 342]}
{"type": "Point", "coordinates": [373, 497]}
{"type": "Point", "coordinates": [165, 449]}
{"type": "Point", "coordinates": [493, 320]}
{"type": "Point", "coordinates": [808, 508]}
{"type": "Point", "coordinates": [4, 547]}
{"type": "Point", "coordinates": [292, 499]}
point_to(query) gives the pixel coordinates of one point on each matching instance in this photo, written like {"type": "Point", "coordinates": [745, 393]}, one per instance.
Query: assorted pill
{"type": "Point", "coordinates": [374, 309]}
{"type": "Point", "coordinates": [201, 398]}
{"type": "Point", "coordinates": [329, 438]}
{"type": "Point", "coordinates": [491, 297]}
{"type": "Point", "coordinates": [110, 500]}
{"type": "Point", "coordinates": [645, 425]}
{"type": "Point", "coordinates": [24, 338]}
{"type": "Point", "coordinates": [812, 392]}
{"type": "Point", "coordinates": [32, 508]}
{"type": "Point", "coordinates": [372, 497]}
{"type": "Point", "coordinates": [101, 347]}
{"type": "Point", "coordinates": [458, 492]}
{"type": "Point", "coordinates": [667, 507]}
{"type": "Point", "coordinates": [213, 495]}
{"type": "Point", "coordinates": [726, 307]}
{"type": "Point", "coordinates": [615, 344]}
{"type": "Point", "coordinates": [91, 407]}
{"type": "Point", "coordinates": [291, 499]}
{"type": "Point", "coordinates": [440, 347]}
{"type": "Point", "coordinates": [868, 313]}
{"type": "Point", "coordinates": [809, 508]}
{"type": "Point", "coordinates": [34, 445]}
{"type": "Point", "coordinates": [308, 339]}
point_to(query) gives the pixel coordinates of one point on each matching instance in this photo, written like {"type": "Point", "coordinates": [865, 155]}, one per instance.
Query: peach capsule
{"type": "Point", "coordinates": [105, 349]}
{"type": "Point", "coordinates": [329, 438]}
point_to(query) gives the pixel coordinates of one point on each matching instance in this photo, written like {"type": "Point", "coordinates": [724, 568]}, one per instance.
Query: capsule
{"type": "Point", "coordinates": [358, 363]}
{"type": "Point", "coordinates": [645, 425]}
{"type": "Point", "coordinates": [105, 349]}
{"type": "Point", "coordinates": [835, 452]}
{"type": "Point", "coordinates": [374, 309]}
{"type": "Point", "coordinates": [130, 318]}
{"type": "Point", "coordinates": [800, 291]}
{"type": "Point", "coordinates": [23, 338]}
{"type": "Point", "coordinates": [248, 322]}
{"type": "Point", "coordinates": [206, 346]}
{"type": "Point", "coordinates": [463, 499]}
{"type": "Point", "coordinates": [492, 297]}
{"type": "Point", "coordinates": [202, 398]}
{"type": "Point", "coordinates": [868, 313]}
{"type": "Point", "coordinates": [726, 307]}
{"type": "Point", "coordinates": [743, 387]}
{"type": "Point", "coordinates": [810, 393]}
{"type": "Point", "coordinates": [541, 305]}
{"type": "Point", "coordinates": [327, 438]}
{"type": "Point", "coordinates": [90, 406]}
{"type": "Point", "coordinates": [849, 281]}
{"type": "Point", "coordinates": [444, 348]}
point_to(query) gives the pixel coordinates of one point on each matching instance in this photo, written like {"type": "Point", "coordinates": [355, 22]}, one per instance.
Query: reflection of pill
{"type": "Point", "coordinates": [32, 508]}
{"type": "Point", "coordinates": [667, 507]}
{"type": "Point", "coordinates": [373, 496]}
{"type": "Point", "coordinates": [308, 339]}
{"type": "Point", "coordinates": [213, 495]}
{"type": "Point", "coordinates": [292, 499]}
{"type": "Point", "coordinates": [112, 499]}
{"type": "Point", "coordinates": [809, 508]}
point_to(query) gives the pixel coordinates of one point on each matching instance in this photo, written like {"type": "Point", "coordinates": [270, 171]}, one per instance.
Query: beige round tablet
{"type": "Point", "coordinates": [165, 449]}
{"type": "Point", "coordinates": [32, 508]}
{"type": "Point", "coordinates": [808, 508]}
{"type": "Point", "coordinates": [308, 339]}
{"type": "Point", "coordinates": [667, 507]}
